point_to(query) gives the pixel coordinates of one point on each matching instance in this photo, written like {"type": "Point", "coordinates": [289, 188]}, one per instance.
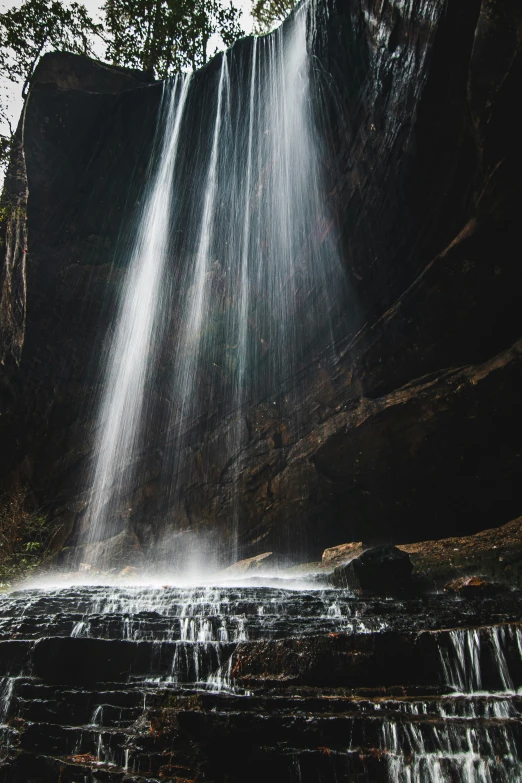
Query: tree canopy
{"type": "Point", "coordinates": [166, 36]}
{"type": "Point", "coordinates": [269, 13]}
{"type": "Point", "coordinates": [160, 36]}
{"type": "Point", "coordinates": [27, 32]}
{"type": "Point", "coordinates": [37, 26]}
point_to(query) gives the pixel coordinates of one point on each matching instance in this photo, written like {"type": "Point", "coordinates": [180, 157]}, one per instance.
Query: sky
{"type": "Point", "coordinates": [12, 94]}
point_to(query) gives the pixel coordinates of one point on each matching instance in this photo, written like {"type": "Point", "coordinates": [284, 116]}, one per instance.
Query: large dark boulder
{"type": "Point", "coordinates": [383, 570]}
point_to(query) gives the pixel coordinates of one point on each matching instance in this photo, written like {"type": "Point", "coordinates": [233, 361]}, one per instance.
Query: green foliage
{"type": "Point", "coordinates": [166, 36]}
{"type": "Point", "coordinates": [270, 13]}
{"type": "Point", "coordinates": [160, 36]}
{"type": "Point", "coordinates": [37, 26]}
{"type": "Point", "coordinates": [6, 141]}
{"type": "Point", "coordinates": [25, 535]}
{"type": "Point", "coordinates": [5, 150]}
{"type": "Point", "coordinates": [29, 30]}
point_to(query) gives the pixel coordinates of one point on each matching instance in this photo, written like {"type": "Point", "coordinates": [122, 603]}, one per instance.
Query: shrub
{"type": "Point", "coordinates": [25, 536]}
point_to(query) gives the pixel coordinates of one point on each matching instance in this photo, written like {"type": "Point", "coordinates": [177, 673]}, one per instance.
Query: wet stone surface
{"type": "Point", "coordinates": [214, 683]}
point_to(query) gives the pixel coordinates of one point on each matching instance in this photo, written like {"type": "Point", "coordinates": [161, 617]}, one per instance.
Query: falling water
{"type": "Point", "coordinates": [235, 282]}
{"type": "Point", "coordinates": [137, 329]}
{"type": "Point", "coordinates": [266, 283]}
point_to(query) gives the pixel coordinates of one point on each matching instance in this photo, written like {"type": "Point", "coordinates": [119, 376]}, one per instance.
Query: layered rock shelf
{"type": "Point", "coordinates": [189, 684]}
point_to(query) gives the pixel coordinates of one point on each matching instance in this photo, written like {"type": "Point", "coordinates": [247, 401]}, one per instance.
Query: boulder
{"type": "Point", "coordinates": [473, 587]}
{"type": "Point", "coordinates": [129, 571]}
{"type": "Point", "coordinates": [268, 561]}
{"type": "Point", "coordinates": [382, 570]}
{"type": "Point", "coordinates": [120, 551]}
{"type": "Point", "coordinates": [339, 555]}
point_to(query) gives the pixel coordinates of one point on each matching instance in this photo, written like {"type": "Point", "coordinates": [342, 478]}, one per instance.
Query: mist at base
{"type": "Point", "coordinates": [195, 569]}
{"type": "Point", "coordinates": [56, 580]}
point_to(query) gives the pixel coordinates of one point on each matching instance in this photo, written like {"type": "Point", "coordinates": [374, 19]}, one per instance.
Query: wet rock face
{"type": "Point", "coordinates": [121, 549]}
{"type": "Point", "coordinates": [86, 148]}
{"type": "Point", "coordinates": [414, 432]}
{"type": "Point", "coordinates": [473, 587]}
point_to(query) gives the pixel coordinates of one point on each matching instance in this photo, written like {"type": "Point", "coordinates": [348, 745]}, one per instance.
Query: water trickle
{"type": "Point", "coordinates": [463, 658]}
{"type": "Point", "coordinates": [7, 685]}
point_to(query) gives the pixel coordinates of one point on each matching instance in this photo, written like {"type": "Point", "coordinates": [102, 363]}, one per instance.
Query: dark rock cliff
{"type": "Point", "coordinates": [415, 434]}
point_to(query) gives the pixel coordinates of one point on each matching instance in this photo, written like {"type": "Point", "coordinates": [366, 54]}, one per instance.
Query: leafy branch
{"type": "Point", "coordinates": [269, 13]}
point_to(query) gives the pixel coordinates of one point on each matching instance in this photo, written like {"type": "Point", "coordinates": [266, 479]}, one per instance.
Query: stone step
{"type": "Point", "coordinates": [468, 660]}
{"type": "Point", "coordinates": [148, 604]}
{"type": "Point", "coordinates": [64, 740]}
{"type": "Point", "coordinates": [39, 768]}
{"type": "Point", "coordinates": [325, 688]}
{"type": "Point", "coordinates": [279, 765]}
{"type": "Point", "coordinates": [174, 602]}
{"type": "Point", "coordinates": [220, 628]}
{"type": "Point", "coordinates": [485, 658]}
{"type": "Point", "coordinates": [53, 711]}
{"type": "Point", "coordinates": [31, 689]}
{"type": "Point", "coordinates": [477, 707]}
{"type": "Point", "coordinates": [36, 702]}
{"type": "Point", "coordinates": [273, 736]}
{"type": "Point", "coordinates": [78, 660]}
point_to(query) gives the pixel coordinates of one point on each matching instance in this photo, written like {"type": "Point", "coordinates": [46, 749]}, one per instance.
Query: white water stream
{"type": "Point", "coordinates": [119, 418]}
{"type": "Point", "coordinates": [234, 281]}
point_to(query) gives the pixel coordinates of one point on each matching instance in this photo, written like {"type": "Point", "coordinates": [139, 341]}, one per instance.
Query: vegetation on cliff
{"type": "Point", "coordinates": [160, 36]}
{"type": "Point", "coordinates": [167, 36]}
{"type": "Point", "coordinates": [25, 535]}
{"type": "Point", "coordinates": [29, 30]}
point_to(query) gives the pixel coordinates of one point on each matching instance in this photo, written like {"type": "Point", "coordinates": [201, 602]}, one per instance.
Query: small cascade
{"type": "Point", "coordinates": [475, 659]}
{"type": "Point", "coordinates": [461, 662]}
{"type": "Point", "coordinates": [6, 693]}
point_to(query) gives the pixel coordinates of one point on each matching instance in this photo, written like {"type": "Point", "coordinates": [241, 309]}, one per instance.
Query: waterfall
{"type": "Point", "coordinates": [266, 283]}
{"type": "Point", "coordinates": [234, 285]}
{"type": "Point", "coordinates": [138, 327]}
